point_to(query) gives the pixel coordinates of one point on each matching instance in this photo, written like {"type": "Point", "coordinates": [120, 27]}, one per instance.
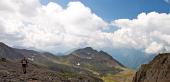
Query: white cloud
{"type": "Point", "coordinates": [49, 27]}
{"type": "Point", "coordinates": [154, 47]}
{"type": "Point", "coordinates": [149, 32]}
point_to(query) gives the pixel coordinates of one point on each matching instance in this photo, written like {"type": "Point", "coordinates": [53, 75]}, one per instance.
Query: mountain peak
{"type": "Point", "coordinates": [89, 56]}
{"type": "Point", "coordinates": [87, 51]}
{"type": "Point", "coordinates": [88, 48]}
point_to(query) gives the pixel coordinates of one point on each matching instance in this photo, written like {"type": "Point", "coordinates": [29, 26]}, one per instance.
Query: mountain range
{"type": "Point", "coordinates": [81, 65]}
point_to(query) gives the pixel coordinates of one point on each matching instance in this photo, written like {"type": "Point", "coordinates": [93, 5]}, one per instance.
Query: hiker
{"type": "Point", "coordinates": [24, 63]}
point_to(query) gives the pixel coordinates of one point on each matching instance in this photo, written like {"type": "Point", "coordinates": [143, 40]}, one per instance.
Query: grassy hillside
{"type": "Point", "coordinates": [124, 76]}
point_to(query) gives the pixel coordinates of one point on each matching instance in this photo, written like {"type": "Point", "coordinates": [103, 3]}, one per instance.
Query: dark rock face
{"type": "Point", "coordinates": [158, 70]}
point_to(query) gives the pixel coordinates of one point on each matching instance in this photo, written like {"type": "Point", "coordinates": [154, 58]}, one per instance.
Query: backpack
{"type": "Point", "coordinates": [24, 61]}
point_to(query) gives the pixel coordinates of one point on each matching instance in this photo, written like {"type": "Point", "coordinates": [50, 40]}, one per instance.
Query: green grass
{"type": "Point", "coordinates": [124, 76]}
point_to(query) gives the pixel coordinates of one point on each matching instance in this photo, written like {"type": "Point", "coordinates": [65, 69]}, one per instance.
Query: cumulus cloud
{"type": "Point", "coordinates": [29, 24]}
{"type": "Point", "coordinates": [148, 32]}
{"type": "Point", "coordinates": [49, 27]}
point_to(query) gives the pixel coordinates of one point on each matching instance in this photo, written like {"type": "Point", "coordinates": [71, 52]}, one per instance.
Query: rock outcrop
{"type": "Point", "coordinates": [158, 70]}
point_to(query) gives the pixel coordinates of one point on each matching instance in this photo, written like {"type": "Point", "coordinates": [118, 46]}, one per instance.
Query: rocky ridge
{"type": "Point", "coordinates": [158, 70]}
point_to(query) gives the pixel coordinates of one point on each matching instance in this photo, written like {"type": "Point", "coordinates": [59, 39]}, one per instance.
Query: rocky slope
{"type": "Point", "coordinates": [158, 70]}
{"type": "Point", "coordinates": [10, 71]}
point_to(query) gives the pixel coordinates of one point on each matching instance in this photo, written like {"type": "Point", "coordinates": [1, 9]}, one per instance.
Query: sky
{"type": "Point", "coordinates": [117, 9]}
{"type": "Point", "coordinates": [58, 26]}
